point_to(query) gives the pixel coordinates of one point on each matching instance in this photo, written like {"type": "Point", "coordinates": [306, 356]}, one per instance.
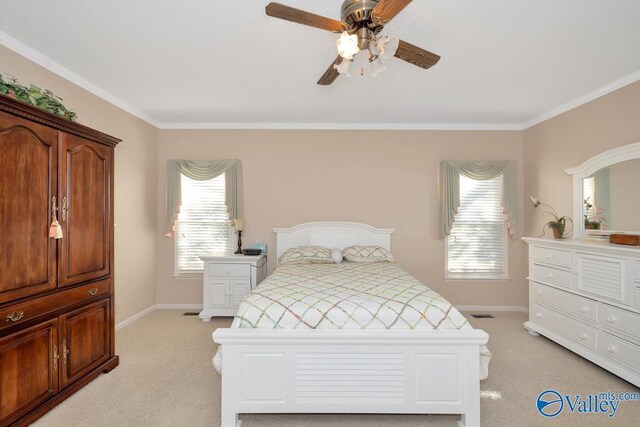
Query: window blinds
{"type": "Point", "coordinates": [203, 222]}
{"type": "Point", "coordinates": [477, 243]}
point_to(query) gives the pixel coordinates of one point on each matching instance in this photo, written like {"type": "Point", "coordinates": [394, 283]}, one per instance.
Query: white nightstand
{"type": "Point", "coordinates": [228, 278]}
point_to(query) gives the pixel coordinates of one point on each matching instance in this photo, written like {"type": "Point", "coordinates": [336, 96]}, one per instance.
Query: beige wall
{"type": "Point", "coordinates": [568, 140]}
{"type": "Point", "coordinates": [135, 180]}
{"type": "Point", "coordinates": [382, 178]}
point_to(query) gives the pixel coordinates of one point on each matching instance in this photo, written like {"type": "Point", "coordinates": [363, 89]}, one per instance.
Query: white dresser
{"type": "Point", "coordinates": [228, 278]}
{"type": "Point", "coordinates": [585, 295]}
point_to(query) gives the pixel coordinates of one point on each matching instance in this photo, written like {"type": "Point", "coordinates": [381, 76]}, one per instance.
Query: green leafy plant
{"type": "Point", "coordinates": [558, 224]}
{"type": "Point", "coordinates": [33, 95]}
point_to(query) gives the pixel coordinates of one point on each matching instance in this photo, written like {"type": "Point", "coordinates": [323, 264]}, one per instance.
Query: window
{"type": "Point", "coordinates": [477, 245]}
{"type": "Point", "coordinates": [203, 223]}
{"type": "Point", "coordinates": [589, 191]}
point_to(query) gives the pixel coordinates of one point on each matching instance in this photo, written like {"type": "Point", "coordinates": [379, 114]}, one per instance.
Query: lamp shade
{"type": "Point", "coordinates": [347, 45]}
{"type": "Point", "coordinates": [238, 224]}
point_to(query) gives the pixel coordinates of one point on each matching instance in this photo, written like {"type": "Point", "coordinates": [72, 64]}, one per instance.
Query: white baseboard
{"type": "Point", "coordinates": [179, 306]}
{"type": "Point", "coordinates": [135, 317]}
{"type": "Point", "coordinates": [484, 308]}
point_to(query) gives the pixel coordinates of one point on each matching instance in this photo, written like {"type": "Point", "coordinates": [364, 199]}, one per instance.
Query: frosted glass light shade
{"type": "Point", "coordinates": [347, 45]}
{"type": "Point", "coordinates": [344, 67]}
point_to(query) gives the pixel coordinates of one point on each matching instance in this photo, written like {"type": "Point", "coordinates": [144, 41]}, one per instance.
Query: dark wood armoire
{"type": "Point", "coordinates": [56, 295]}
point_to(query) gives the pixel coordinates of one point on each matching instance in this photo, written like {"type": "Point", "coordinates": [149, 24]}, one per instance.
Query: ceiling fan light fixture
{"type": "Point", "coordinates": [347, 45]}
{"type": "Point", "coordinates": [344, 67]}
{"type": "Point", "coordinates": [377, 66]}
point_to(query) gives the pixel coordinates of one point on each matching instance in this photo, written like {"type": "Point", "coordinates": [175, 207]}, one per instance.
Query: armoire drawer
{"type": "Point", "coordinates": [621, 321]}
{"type": "Point", "coordinates": [551, 275]}
{"type": "Point", "coordinates": [552, 256]}
{"type": "Point", "coordinates": [223, 270]}
{"type": "Point", "coordinates": [573, 304]}
{"type": "Point", "coordinates": [572, 329]}
{"type": "Point", "coordinates": [620, 350]}
{"type": "Point", "coordinates": [19, 313]}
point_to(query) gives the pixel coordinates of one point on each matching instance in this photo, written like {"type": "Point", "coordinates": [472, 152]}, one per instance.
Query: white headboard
{"type": "Point", "coordinates": [331, 235]}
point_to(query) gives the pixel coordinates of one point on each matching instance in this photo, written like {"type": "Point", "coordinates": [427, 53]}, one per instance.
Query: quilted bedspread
{"type": "Point", "coordinates": [348, 296]}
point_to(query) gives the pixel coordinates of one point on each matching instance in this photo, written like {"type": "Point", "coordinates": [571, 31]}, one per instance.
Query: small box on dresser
{"type": "Point", "coordinates": [227, 279]}
{"type": "Point", "coordinates": [585, 296]}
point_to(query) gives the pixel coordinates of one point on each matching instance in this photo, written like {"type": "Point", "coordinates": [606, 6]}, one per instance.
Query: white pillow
{"type": "Point", "coordinates": [367, 254]}
{"type": "Point", "coordinates": [336, 254]}
{"type": "Point", "coordinates": [306, 254]}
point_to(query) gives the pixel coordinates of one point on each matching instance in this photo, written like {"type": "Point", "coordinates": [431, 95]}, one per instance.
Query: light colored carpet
{"type": "Point", "coordinates": [166, 379]}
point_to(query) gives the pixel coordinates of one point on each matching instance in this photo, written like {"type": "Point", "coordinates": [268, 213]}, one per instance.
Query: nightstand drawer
{"type": "Point", "coordinates": [620, 321]}
{"type": "Point", "coordinates": [572, 304]}
{"type": "Point", "coordinates": [572, 329]}
{"type": "Point", "coordinates": [551, 275]}
{"type": "Point", "coordinates": [222, 270]}
{"type": "Point", "coordinates": [552, 256]}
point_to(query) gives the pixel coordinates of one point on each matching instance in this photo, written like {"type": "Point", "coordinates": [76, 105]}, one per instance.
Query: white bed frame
{"type": "Point", "coordinates": [349, 371]}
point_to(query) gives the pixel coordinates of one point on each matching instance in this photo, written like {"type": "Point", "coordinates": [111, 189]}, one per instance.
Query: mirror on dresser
{"type": "Point", "coordinates": [601, 202]}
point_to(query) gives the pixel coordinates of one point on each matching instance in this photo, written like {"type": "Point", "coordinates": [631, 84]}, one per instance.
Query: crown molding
{"type": "Point", "coordinates": [344, 126]}
{"type": "Point", "coordinates": [608, 88]}
{"type": "Point", "coordinates": [48, 63]}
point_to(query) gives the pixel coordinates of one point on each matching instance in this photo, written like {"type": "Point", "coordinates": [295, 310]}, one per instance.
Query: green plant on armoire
{"type": "Point", "coordinates": [33, 95]}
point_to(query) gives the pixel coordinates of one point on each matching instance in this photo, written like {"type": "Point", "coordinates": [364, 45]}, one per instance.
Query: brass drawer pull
{"type": "Point", "coordinates": [15, 316]}
{"type": "Point", "coordinates": [93, 291]}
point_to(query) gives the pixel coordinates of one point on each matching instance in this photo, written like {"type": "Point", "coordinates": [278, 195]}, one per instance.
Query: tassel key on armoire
{"type": "Point", "coordinates": [55, 230]}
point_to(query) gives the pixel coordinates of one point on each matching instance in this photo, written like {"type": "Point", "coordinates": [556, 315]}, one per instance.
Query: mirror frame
{"type": "Point", "coordinates": [588, 168]}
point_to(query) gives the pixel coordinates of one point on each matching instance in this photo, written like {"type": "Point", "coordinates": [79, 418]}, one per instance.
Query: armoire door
{"type": "Point", "coordinates": [85, 209]}
{"type": "Point", "coordinates": [29, 365]}
{"type": "Point", "coordinates": [84, 340]}
{"type": "Point", "coordinates": [28, 181]}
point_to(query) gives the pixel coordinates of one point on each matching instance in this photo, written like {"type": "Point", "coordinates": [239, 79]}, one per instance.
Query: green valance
{"type": "Point", "coordinates": [202, 170]}
{"type": "Point", "coordinates": [450, 188]}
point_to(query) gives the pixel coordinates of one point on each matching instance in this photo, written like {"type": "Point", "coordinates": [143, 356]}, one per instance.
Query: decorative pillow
{"type": "Point", "coordinates": [306, 254]}
{"type": "Point", "coordinates": [336, 254]}
{"type": "Point", "coordinates": [367, 254]}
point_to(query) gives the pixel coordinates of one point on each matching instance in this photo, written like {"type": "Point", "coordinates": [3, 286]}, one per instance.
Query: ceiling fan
{"type": "Point", "coordinates": [362, 21]}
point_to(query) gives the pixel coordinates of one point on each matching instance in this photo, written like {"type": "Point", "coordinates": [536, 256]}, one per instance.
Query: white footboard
{"type": "Point", "coordinates": [350, 371]}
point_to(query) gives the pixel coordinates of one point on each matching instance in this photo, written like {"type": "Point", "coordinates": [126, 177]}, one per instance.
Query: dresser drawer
{"type": "Point", "coordinates": [19, 313]}
{"type": "Point", "coordinates": [574, 330]}
{"type": "Point", "coordinates": [620, 350]}
{"type": "Point", "coordinates": [551, 275]}
{"type": "Point", "coordinates": [552, 256]}
{"type": "Point", "coordinates": [620, 321]}
{"type": "Point", "coordinates": [637, 297]}
{"type": "Point", "coordinates": [224, 270]}
{"type": "Point", "coordinates": [637, 272]}
{"type": "Point", "coordinates": [573, 304]}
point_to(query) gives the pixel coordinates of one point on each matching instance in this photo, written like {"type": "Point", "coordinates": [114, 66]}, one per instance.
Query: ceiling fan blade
{"type": "Point", "coordinates": [416, 55]}
{"type": "Point", "coordinates": [331, 74]}
{"type": "Point", "coordinates": [386, 10]}
{"type": "Point", "coordinates": [287, 13]}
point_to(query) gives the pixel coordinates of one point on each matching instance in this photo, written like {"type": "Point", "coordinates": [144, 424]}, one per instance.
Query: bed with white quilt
{"type": "Point", "coordinates": [359, 335]}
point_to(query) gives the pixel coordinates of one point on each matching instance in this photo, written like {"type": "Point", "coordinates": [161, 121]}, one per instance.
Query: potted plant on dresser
{"type": "Point", "coordinates": [558, 224]}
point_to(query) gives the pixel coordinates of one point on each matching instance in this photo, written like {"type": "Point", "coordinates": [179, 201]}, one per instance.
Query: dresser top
{"type": "Point", "coordinates": [589, 244]}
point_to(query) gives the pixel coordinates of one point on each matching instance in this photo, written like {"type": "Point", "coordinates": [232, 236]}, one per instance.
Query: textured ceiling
{"type": "Point", "coordinates": [216, 61]}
